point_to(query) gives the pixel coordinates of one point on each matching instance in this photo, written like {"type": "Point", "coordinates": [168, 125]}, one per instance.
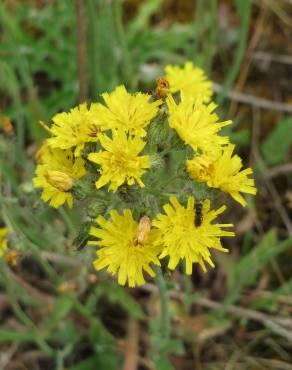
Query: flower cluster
{"type": "Point", "coordinates": [134, 156]}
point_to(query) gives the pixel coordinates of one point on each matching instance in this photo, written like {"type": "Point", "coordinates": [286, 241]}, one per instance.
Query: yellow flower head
{"type": "Point", "coordinates": [120, 161]}
{"type": "Point", "coordinates": [223, 171]}
{"type": "Point", "coordinates": [56, 175]}
{"type": "Point", "coordinates": [189, 79]}
{"type": "Point", "coordinates": [42, 150]}
{"type": "Point", "coordinates": [3, 240]}
{"type": "Point", "coordinates": [120, 252]}
{"type": "Point", "coordinates": [76, 128]}
{"type": "Point", "coordinates": [129, 112]}
{"type": "Point", "coordinates": [195, 123]}
{"type": "Point", "coordinates": [182, 239]}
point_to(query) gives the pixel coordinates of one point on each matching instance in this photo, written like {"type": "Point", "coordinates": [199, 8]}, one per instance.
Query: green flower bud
{"type": "Point", "coordinates": [128, 193]}
{"type": "Point", "coordinates": [140, 211]}
{"type": "Point", "coordinates": [158, 131]}
{"type": "Point", "coordinates": [82, 188]}
{"type": "Point", "coordinates": [96, 207]}
{"type": "Point", "coordinates": [156, 161]}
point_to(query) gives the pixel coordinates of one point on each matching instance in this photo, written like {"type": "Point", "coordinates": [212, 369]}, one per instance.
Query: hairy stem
{"type": "Point", "coordinates": [164, 302]}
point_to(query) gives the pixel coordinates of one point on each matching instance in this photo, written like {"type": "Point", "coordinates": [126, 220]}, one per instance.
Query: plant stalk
{"type": "Point", "coordinates": [164, 304]}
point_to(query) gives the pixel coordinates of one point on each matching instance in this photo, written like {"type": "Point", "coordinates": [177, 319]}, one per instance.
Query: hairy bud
{"type": "Point", "coordinates": [82, 188]}
{"type": "Point", "coordinates": [96, 208]}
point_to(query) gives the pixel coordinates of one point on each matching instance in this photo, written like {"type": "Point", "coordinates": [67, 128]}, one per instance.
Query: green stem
{"type": "Point", "coordinates": [165, 151]}
{"type": "Point", "coordinates": [244, 11]}
{"type": "Point", "coordinates": [159, 193]}
{"type": "Point", "coordinates": [68, 221]}
{"type": "Point", "coordinates": [118, 18]}
{"type": "Point", "coordinates": [164, 302]}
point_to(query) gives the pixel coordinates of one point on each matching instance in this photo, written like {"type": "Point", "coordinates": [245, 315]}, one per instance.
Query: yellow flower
{"type": "Point", "coordinates": [42, 150]}
{"type": "Point", "coordinates": [223, 171]}
{"type": "Point", "coordinates": [81, 125]}
{"type": "Point", "coordinates": [3, 240]}
{"type": "Point", "coordinates": [182, 239]}
{"type": "Point", "coordinates": [120, 162]}
{"type": "Point", "coordinates": [56, 175]}
{"type": "Point", "coordinates": [195, 123]}
{"type": "Point", "coordinates": [189, 79]}
{"type": "Point", "coordinates": [119, 250]}
{"type": "Point", "coordinates": [129, 112]}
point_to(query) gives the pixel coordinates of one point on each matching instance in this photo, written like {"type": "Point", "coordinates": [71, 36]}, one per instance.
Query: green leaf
{"type": "Point", "coordinates": [247, 269]}
{"type": "Point", "coordinates": [67, 333]}
{"type": "Point", "coordinates": [162, 363]}
{"type": "Point", "coordinates": [276, 146]}
{"type": "Point", "coordinates": [240, 137]}
{"type": "Point", "coordinates": [88, 364]}
{"type": "Point", "coordinates": [61, 309]}
{"type": "Point", "coordinates": [16, 337]}
{"type": "Point", "coordinates": [145, 11]}
{"type": "Point", "coordinates": [271, 302]}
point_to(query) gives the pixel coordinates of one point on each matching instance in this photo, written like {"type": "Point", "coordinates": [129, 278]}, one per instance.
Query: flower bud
{"type": "Point", "coordinates": [128, 193]}
{"type": "Point", "coordinates": [158, 130]}
{"type": "Point", "coordinates": [97, 207]}
{"type": "Point", "coordinates": [82, 188]}
{"type": "Point", "coordinates": [59, 180]}
{"type": "Point", "coordinates": [156, 161]}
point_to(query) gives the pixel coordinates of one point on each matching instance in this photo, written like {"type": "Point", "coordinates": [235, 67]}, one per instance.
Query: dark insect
{"type": "Point", "coordinates": [81, 239]}
{"type": "Point", "coordinates": [82, 245]}
{"type": "Point", "coordinates": [198, 214]}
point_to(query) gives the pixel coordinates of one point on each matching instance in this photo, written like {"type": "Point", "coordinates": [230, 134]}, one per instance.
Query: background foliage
{"type": "Point", "coordinates": [55, 312]}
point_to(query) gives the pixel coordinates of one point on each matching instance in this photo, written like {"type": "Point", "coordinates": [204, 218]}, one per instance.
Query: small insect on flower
{"type": "Point", "coordinates": [198, 214]}
{"type": "Point", "coordinates": [143, 231]}
{"type": "Point", "coordinates": [162, 87]}
{"type": "Point", "coordinates": [80, 242]}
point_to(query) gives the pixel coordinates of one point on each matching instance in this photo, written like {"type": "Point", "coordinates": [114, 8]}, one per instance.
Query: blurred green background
{"type": "Point", "coordinates": [55, 311]}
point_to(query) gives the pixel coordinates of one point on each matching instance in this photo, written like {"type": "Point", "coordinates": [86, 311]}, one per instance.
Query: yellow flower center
{"type": "Point", "coordinates": [120, 161]}
{"type": "Point", "coordinates": [206, 170]}
{"type": "Point", "coordinates": [59, 180]}
{"type": "Point", "coordinates": [200, 168]}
